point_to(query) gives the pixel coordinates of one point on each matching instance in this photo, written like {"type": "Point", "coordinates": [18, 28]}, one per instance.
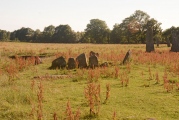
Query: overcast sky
{"type": "Point", "coordinates": [38, 14]}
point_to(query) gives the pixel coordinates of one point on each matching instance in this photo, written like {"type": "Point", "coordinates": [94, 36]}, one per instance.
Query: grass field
{"type": "Point", "coordinates": [146, 88]}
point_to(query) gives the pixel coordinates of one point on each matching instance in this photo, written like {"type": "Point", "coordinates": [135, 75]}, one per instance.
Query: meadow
{"type": "Point", "coordinates": [145, 88]}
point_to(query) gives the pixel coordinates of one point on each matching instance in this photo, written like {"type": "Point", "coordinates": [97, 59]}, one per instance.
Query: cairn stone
{"type": "Point", "coordinates": [127, 57]}
{"type": "Point", "coordinates": [59, 63]}
{"type": "Point", "coordinates": [149, 40]}
{"type": "Point", "coordinates": [93, 61]}
{"type": "Point", "coordinates": [175, 42]}
{"type": "Point", "coordinates": [81, 61]}
{"type": "Point", "coordinates": [71, 63]}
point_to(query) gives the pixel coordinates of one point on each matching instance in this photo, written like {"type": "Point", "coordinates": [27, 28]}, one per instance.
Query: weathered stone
{"type": "Point", "coordinates": [127, 57]}
{"type": "Point", "coordinates": [71, 63]}
{"type": "Point", "coordinates": [149, 40]}
{"type": "Point", "coordinates": [175, 42]}
{"type": "Point", "coordinates": [59, 63]}
{"type": "Point", "coordinates": [81, 61]}
{"type": "Point", "coordinates": [93, 61]}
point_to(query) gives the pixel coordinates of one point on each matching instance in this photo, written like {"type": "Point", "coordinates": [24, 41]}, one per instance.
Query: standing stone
{"type": "Point", "coordinates": [127, 57]}
{"type": "Point", "coordinates": [149, 40]}
{"type": "Point", "coordinates": [175, 42]}
{"type": "Point", "coordinates": [71, 63]}
{"type": "Point", "coordinates": [59, 63]}
{"type": "Point", "coordinates": [93, 61]}
{"type": "Point", "coordinates": [81, 61]}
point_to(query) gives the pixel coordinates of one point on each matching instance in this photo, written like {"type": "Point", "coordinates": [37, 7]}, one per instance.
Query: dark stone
{"type": "Point", "coordinates": [81, 61]}
{"type": "Point", "coordinates": [93, 61]}
{"type": "Point", "coordinates": [59, 63]}
{"type": "Point", "coordinates": [149, 40]}
{"type": "Point", "coordinates": [127, 57]}
{"type": "Point", "coordinates": [175, 42]}
{"type": "Point", "coordinates": [71, 63]}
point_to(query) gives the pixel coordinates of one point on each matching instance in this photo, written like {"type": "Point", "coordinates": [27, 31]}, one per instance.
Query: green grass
{"type": "Point", "coordinates": [140, 100]}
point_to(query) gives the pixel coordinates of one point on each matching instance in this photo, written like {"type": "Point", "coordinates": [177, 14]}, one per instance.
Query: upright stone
{"type": "Point", "coordinates": [93, 61]}
{"type": "Point", "coordinates": [71, 63]}
{"type": "Point", "coordinates": [175, 42]}
{"type": "Point", "coordinates": [81, 61]}
{"type": "Point", "coordinates": [149, 40]}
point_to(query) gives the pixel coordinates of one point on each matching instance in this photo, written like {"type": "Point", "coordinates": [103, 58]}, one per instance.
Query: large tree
{"type": "Point", "coordinates": [116, 34]}
{"type": "Point", "coordinates": [133, 28]}
{"type": "Point", "coordinates": [23, 34]}
{"type": "Point", "coordinates": [166, 34]}
{"type": "Point", "coordinates": [4, 35]}
{"type": "Point", "coordinates": [64, 34]}
{"type": "Point", "coordinates": [37, 36]}
{"type": "Point", "coordinates": [97, 31]}
{"type": "Point", "coordinates": [48, 33]}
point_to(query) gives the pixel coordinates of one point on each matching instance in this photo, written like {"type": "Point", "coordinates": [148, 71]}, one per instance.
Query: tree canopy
{"type": "Point", "coordinates": [97, 31]}
{"type": "Point", "coordinates": [132, 29]}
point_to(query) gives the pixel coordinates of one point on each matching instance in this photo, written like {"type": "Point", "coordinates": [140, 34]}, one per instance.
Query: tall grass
{"type": "Point", "coordinates": [145, 88]}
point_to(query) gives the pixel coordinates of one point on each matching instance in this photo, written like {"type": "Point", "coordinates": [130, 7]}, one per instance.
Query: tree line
{"type": "Point", "coordinates": [132, 30]}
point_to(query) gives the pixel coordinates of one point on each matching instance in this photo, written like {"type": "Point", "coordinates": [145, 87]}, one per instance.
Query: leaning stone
{"type": "Point", "coordinates": [81, 61]}
{"type": "Point", "coordinates": [127, 57]}
{"type": "Point", "coordinates": [59, 63]}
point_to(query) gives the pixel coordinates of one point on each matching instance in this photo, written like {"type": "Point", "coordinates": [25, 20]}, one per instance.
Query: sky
{"type": "Point", "coordinates": [38, 14]}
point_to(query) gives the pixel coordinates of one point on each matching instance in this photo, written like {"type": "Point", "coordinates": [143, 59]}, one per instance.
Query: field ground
{"type": "Point", "coordinates": [146, 88]}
